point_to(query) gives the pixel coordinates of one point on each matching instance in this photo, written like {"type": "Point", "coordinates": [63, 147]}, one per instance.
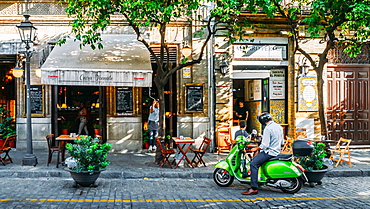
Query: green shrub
{"type": "Point", "coordinates": [314, 161]}
{"type": "Point", "coordinates": [89, 154]}
{"type": "Point", "coordinates": [7, 127]}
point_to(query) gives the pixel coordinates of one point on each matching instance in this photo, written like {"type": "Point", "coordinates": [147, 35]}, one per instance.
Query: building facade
{"type": "Point", "coordinates": [116, 83]}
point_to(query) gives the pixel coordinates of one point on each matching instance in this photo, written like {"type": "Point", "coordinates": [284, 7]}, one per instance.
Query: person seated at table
{"type": "Point", "coordinates": [241, 131]}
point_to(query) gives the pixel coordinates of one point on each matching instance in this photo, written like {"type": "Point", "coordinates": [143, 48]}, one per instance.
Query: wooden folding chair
{"type": "Point", "coordinates": [342, 148]}
{"type": "Point", "coordinates": [166, 153]}
{"type": "Point", "coordinates": [51, 147]}
{"type": "Point", "coordinates": [6, 149]}
{"type": "Point", "coordinates": [287, 147]}
{"type": "Point", "coordinates": [199, 153]}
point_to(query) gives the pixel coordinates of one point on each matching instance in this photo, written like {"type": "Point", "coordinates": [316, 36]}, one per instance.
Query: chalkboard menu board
{"type": "Point", "coordinates": [194, 98]}
{"type": "Point", "coordinates": [124, 100]}
{"type": "Point", "coordinates": [36, 99]}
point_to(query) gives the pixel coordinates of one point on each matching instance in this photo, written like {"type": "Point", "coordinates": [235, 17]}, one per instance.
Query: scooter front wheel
{"type": "Point", "coordinates": [295, 185]}
{"type": "Point", "coordinates": [222, 177]}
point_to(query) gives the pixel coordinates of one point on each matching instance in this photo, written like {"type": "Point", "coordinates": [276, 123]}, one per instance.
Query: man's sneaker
{"type": "Point", "coordinates": [154, 147]}
{"type": "Point", "coordinates": [150, 148]}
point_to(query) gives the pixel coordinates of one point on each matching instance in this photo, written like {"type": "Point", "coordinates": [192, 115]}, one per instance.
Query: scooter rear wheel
{"type": "Point", "coordinates": [296, 185]}
{"type": "Point", "coordinates": [222, 177]}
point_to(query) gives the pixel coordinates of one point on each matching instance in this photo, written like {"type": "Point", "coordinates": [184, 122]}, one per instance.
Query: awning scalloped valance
{"type": "Point", "coordinates": [123, 61]}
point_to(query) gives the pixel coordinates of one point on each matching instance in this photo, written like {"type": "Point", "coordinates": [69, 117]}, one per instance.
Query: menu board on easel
{"type": "Point", "coordinates": [36, 94]}
{"type": "Point", "coordinates": [124, 104]}
{"type": "Point", "coordinates": [194, 98]}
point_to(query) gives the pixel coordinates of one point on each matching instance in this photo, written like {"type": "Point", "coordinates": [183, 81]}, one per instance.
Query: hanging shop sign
{"type": "Point", "coordinates": [260, 52]}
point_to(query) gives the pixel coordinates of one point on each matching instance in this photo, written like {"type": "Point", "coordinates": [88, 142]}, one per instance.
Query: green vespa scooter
{"type": "Point", "coordinates": [279, 172]}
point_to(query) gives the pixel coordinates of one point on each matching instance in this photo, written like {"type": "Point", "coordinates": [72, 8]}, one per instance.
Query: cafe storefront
{"type": "Point", "coordinates": [108, 81]}
{"type": "Point", "coordinates": [259, 80]}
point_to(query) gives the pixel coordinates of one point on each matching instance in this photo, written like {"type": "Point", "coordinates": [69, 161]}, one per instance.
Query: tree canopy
{"type": "Point", "coordinates": [90, 17]}
{"type": "Point", "coordinates": [343, 22]}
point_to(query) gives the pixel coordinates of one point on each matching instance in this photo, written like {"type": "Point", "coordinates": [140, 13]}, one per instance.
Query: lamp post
{"type": "Point", "coordinates": [27, 32]}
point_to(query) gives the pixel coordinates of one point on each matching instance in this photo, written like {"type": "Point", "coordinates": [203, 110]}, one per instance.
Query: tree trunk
{"type": "Point", "coordinates": [162, 125]}
{"type": "Point", "coordinates": [162, 110]}
{"type": "Point", "coordinates": [320, 88]}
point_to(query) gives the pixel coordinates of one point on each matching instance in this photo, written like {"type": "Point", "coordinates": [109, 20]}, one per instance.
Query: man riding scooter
{"type": "Point", "coordinates": [270, 146]}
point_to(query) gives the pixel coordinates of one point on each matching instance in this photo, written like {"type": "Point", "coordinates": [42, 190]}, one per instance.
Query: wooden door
{"type": "Point", "coordinates": [348, 103]}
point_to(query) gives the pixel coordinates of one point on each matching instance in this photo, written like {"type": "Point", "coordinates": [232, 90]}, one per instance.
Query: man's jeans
{"type": "Point", "coordinates": [255, 164]}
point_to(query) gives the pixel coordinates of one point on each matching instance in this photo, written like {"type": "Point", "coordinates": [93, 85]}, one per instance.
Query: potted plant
{"type": "Point", "coordinates": [90, 159]}
{"type": "Point", "coordinates": [65, 125]}
{"type": "Point", "coordinates": [7, 127]}
{"type": "Point", "coordinates": [96, 129]}
{"type": "Point", "coordinates": [314, 164]}
{"type": "Point", "coordinates": [146, 139]}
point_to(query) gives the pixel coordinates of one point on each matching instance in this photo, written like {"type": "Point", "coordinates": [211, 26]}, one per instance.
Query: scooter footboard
{"type": "Point", "coordinates": [277, 169]}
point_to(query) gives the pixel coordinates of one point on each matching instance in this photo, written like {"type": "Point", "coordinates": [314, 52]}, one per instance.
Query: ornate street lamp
{"type": "Point", "coordinates": [27, 32]}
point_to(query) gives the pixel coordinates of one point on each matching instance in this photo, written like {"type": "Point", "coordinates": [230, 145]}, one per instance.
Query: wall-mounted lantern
{"type": "Point", "coordinates": [186, 51]}
{"type": "Point", "coordinates": [224, 67]}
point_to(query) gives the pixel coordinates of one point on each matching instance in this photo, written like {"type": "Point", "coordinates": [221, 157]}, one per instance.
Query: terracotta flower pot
{"type": "Point", "coordinates": [97, 131]}
{"type": "Point", "coordinates": [65, 131]}
{"type": "Point", "coordinates": [146, 145]}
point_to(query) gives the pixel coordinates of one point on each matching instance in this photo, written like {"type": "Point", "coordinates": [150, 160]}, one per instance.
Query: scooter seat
{"type": "Point", "coordinates": [282, 156]}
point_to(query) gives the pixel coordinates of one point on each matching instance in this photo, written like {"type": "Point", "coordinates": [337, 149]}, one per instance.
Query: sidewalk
{"type": "Point", "coordinates": [141, 165]}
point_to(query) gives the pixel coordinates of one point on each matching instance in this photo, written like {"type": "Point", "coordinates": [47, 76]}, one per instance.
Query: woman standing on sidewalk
{"type": "Point", "coordinates": [153, 124]}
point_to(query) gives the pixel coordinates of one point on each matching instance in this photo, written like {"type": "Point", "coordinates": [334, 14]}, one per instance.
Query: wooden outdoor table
{"type": "Point", "coordinates": [181, 143]}
{"type": "Point", "coordinates": [63, 139]}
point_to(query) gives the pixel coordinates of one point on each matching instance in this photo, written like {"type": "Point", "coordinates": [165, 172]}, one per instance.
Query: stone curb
{"type": "Point", "coordinates": [154, 175]}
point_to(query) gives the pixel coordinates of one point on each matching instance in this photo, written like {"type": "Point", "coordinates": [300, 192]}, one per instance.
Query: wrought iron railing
{"type": "Point", "coordinates": [337, 56]}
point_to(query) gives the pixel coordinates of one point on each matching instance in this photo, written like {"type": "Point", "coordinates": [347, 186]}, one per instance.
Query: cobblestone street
{"type": "Point", "coordinates": [353, 192]}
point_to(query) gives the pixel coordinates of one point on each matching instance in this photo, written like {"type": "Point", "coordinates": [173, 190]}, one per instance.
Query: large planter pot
{"type": "Point", "coordinates": [84, 178]}
{"type": "Point", "coordinates": [316, 176]}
